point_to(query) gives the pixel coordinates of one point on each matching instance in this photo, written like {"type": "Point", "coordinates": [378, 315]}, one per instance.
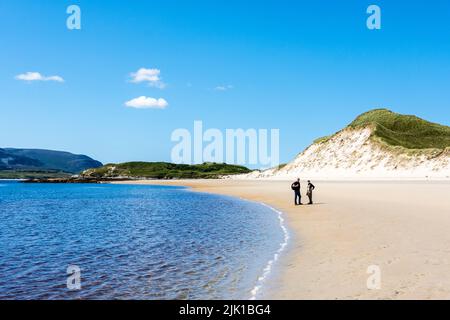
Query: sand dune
{"type": "Point", "coordinates": [353, 154]}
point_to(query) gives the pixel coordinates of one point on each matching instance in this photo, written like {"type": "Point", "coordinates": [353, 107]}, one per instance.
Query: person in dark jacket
{"type": "Point", "coordinates": [297, 195]}
{"type": "Point", "coordinates": [309, 191]}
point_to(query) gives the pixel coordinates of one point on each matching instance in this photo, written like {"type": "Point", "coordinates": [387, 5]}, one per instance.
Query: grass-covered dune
{"type": "Point", "coordinates": [405, 131]}
{"type": "Point", "coordinates": [164, 170]}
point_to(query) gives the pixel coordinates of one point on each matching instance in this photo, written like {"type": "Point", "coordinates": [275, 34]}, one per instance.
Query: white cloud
{"type": "Point", "coordinates": [36, 76]}
{"type": "Point", "coordinates": [144, 102]}
{"type": "Point", "coordinates": [150, 76]}
{"type": "Point", "coordinates": [223, 88]}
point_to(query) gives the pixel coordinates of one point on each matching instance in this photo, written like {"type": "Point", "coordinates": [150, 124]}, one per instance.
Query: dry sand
{"type": "Point", "coordinates": [402, 227]}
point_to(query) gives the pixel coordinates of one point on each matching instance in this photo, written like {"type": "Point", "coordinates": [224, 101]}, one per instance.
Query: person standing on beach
{"type": "Point", "coordinates": [296, 187]}
{"type": "Point", "coordinates": [309, 191]}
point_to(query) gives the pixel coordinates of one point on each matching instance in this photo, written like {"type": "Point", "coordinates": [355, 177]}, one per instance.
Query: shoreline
{"type": "Point", "coordinates": [272, 264]}
{"type": "Point", "coordinates": [267, 272]}
{"type": "Point", "coordinates": [270, 280]}
{"type": "Point", "coordinates": [401, 227]}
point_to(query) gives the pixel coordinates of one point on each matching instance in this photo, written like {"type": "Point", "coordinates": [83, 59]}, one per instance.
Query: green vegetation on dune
{"type": "Point", "coordinates": [281, 166]}
{"type": "Point", "coordinates": [164, 170]}
{"type": "Point", "coordinates": [322, 139]}
{"type": "Point", "coordinates": [405, 131]}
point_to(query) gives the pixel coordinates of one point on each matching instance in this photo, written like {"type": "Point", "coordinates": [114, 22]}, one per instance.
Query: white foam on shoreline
{"type": "Point", "coordinates": [276, 256]}
{"type": "Point", "coordinates": [266, 271]}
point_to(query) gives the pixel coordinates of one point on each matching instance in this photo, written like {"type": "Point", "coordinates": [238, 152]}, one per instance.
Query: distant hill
{"type": "Point", "coordinates": [377, 144]}
{"type": "Point", "coordinates": [39, 161]}
{"type": "Point", "coordinates": [164, 170]}
{"type": "Point", "coordinates": [11, 161]}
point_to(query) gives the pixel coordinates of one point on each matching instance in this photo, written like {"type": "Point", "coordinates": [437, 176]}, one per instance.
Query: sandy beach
{"type": "Point", "coordinates": [401, 227]}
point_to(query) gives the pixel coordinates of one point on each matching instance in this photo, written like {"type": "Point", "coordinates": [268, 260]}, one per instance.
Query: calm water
{"type": "Point", "coordinates": [132, 242]}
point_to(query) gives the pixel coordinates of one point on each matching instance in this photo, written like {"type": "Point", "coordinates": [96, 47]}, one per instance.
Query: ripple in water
{"type": "Point", "coordinates": [133, 242]}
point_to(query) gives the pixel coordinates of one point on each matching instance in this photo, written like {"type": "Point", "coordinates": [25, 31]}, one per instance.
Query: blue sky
{"type": "Point", "coordinates": [305, 67]}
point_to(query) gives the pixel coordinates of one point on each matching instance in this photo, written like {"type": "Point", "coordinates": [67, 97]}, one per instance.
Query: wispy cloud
{"type": "Point", "coordinates": [36, 76]}
{"type": "Point", "coordinates": [144, 102]}
{"type": "Point", "coordinates": [223, 88]}
{"type": "Point", "coordinates": [150, 76]}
